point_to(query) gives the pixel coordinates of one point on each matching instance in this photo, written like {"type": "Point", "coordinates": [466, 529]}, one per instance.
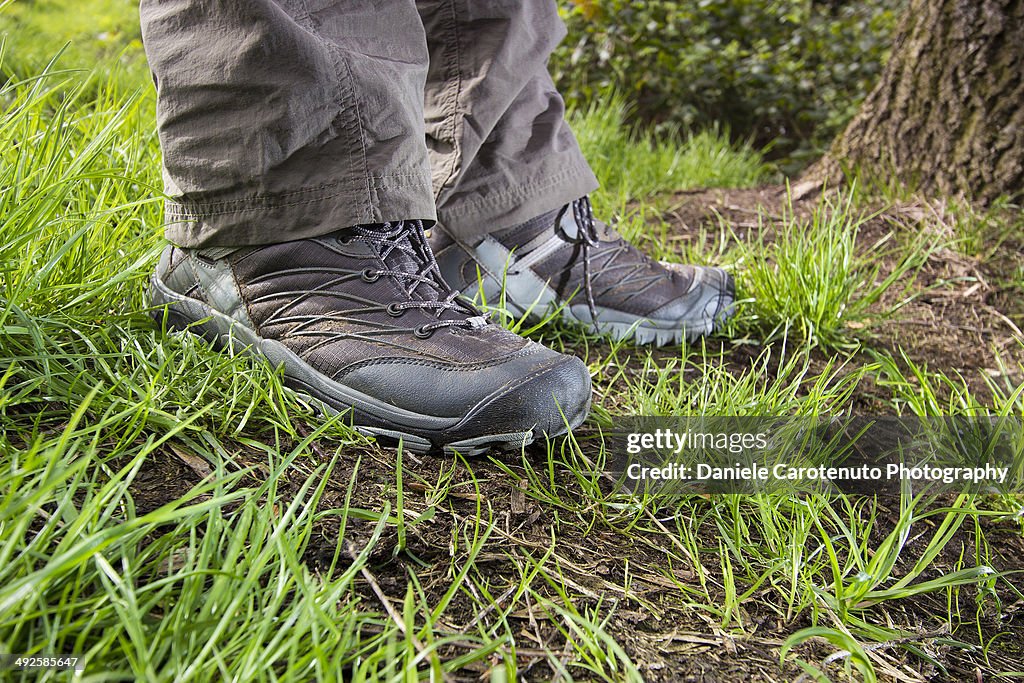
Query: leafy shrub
{"type": "Point", "coordinates": [788, 73]}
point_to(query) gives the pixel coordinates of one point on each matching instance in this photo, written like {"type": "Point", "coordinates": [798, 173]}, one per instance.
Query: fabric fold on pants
{"type": "Point", "coordinates": [288, 119]}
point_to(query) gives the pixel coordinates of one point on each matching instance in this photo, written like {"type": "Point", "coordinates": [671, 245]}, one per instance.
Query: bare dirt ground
{"type": "Point", "coordinates": [954, 327]}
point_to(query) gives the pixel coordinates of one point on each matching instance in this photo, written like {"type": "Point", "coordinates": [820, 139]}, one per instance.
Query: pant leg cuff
{"type": "Point", "coordinates": [266, 219]}
{"type": "Point", "coordinates": [473, 217]}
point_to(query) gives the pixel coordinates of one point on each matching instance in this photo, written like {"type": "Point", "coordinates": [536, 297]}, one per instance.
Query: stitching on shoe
{"type": "Point", "coordinates": [215, 272]}
{"type": "Point", "coordinates": [422, 362]}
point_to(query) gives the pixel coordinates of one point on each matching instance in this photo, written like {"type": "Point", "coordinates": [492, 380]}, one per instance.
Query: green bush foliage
{"type": "Point", "coordinates": [788, 73]}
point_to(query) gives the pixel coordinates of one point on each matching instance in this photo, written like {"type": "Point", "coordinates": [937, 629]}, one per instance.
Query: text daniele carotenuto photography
{"type": "Point", "coordinates": [857, 454]}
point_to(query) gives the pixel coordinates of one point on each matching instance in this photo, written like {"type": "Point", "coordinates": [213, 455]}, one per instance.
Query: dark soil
{"type": "Point", "coordinates": [642, 578]}
{"type": "Point", "coordinates": [667, 638]}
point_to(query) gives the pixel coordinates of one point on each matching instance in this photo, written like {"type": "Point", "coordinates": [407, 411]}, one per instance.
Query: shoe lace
{"type": "Point", "coordinates": [403, 248]}
{"type": "Point", "coordinates": [588, 240]}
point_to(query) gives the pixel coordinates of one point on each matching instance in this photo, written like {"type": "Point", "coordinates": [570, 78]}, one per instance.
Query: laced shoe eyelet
{"type": "Point", "coordinates": [422, 333]}
{"type": "Point", "coordinates": [395, 311]}
{"type": "Point", "coordinates": [370, 275]}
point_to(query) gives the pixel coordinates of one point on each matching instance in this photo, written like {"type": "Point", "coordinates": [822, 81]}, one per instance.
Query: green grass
{"type": "Point", "coordinates": [306, 552]}
{"type": "Point", "coordinates": [101, 36]}
{"type": "Point", "coordinates": [812, 281]}
{"type": "Point", "coordinates": [633, 165]}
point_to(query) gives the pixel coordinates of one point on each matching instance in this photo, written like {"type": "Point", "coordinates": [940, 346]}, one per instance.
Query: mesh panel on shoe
{"type": "Point", "coordinates": [317, 300]}
{"type": "Point", "coordinates": [460, 350]}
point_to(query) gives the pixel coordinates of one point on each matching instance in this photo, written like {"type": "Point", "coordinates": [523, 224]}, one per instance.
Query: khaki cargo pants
{"type": "Point", "coordinates": [286, 119]}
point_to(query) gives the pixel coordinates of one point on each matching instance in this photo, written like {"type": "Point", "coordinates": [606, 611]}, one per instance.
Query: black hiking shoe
{"type": "Point", "coordinates": [568, 259]}
{"type": "Point", "coordinates": [361, 319]}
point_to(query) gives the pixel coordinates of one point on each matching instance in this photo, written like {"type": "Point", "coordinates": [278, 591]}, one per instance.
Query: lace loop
{"type": "Point", "coordinates": [405, 243]}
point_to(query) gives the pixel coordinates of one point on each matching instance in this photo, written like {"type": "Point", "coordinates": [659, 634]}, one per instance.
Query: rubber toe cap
{"type": "Point", "coordinates": [709, 299]}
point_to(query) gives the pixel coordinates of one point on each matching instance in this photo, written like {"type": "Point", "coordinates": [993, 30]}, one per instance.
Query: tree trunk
{"type": "Point", "coordinates": [947, 116]}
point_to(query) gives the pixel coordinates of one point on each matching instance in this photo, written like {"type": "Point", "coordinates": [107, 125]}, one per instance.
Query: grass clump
{"type": "Point", "coordinates": [635, 165]}
{"type": "Point", "coordinates": [814, 282]}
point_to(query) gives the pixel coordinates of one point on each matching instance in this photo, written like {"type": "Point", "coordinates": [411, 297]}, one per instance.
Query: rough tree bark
{"type": "Point", "coordinates": [947, 116]}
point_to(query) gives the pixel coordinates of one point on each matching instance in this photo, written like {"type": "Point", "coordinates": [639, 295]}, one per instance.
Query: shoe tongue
{"type": "Point", "coordinates": [569, 229]}
{"type": "Point", "coordinates": [398, 257]}
{"type": "Point", "coordinates": [526, 231]}
{"type": "Point", "coordinates": [566, 228]}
